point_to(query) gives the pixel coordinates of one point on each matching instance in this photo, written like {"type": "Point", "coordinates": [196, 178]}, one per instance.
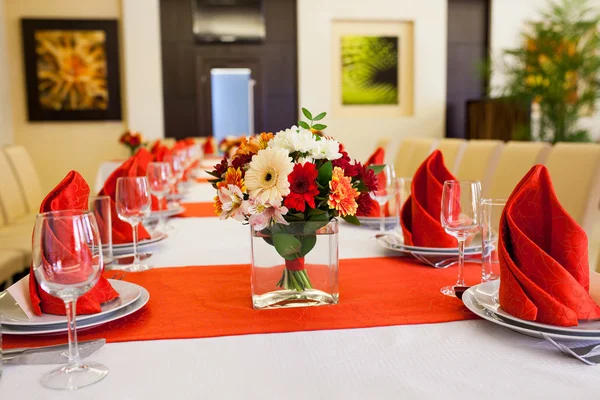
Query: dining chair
{"type": "Point", "coordinates": [452, 149]}
{"type": "Point", "coordinates": [27, 176]}
{"type": "Point", "coordinates": [479, 161]}
{"type": "Point", "coordinates": [383, 142]}
{"type": "Point", "coordinates": [12, 203]}
{"type": "Point", "coordinates": [410, 155]}
{"type": "Point", "coordinates": [575, 172]}
{"type": "Point", "coordinates": [11, 263]}
{"type": "Point", "coordinates": [515, 160]}
{"type": "Point", "coordinates": [169, 142]}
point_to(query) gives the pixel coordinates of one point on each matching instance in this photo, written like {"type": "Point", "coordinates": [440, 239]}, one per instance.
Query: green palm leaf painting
{"type": "Point", "coordinates": [369, 70]}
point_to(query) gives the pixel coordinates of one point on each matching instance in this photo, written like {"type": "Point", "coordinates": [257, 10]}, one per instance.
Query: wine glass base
{"type": "Point", "coordinates": [71, 378]}
{"type": "Point", "coordinates": [448, 291]}
{"type": "Point", "coordinates": [135, 268]}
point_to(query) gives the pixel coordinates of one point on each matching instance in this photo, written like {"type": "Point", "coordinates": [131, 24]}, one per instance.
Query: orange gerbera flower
{"type": "Point", "coordinates": [247, 147]}
{"type": "Point", "coordinates": [218, 206]}
{"type": "Point", "coordinates": [233, 176]}
{"type": "Point", "coordinates": [264, 138]}
{"type": "Point", "coordinates": [342, 195]}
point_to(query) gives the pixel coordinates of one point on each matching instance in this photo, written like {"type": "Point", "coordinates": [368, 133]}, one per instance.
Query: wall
{"type": "Point", "coordinates": [57, 147]}
{"type": "Point", "coordinates": [6, 126]}
{"type": "Point", "coordinates": [508, 20]}
{"type": "Point", "coordinates": [314, 68]}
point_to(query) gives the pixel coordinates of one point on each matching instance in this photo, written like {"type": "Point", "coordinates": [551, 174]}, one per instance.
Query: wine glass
{"type": "Point", "coordinates": [386, 190]}
{"type": "Point", "coordinates": [66, 266]}
{"type": "Point", "coordinates": [159, 180]}
{"type": "Point", "coordinates": [461, 218]}
{"type": "Point", "coordinates": [133, 204]}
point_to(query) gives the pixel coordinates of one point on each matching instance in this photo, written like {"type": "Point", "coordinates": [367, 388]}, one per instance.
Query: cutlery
{"type": "Point", "coordinates": [127, 259]}
{"type": "Point", "coordinates": [119, 276]}
{"type": "Point", "coordinates": [444, 263]}
{"type": "Point", "coordinates": [592, 360]}
{"type": "Point", "coordinates": [49, 354]}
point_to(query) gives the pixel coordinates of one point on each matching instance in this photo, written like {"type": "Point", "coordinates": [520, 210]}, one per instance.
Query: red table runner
{"type": "Point", "coordinates": [198, 210]}
{"type": "Point", "coordinates": [197, 302]}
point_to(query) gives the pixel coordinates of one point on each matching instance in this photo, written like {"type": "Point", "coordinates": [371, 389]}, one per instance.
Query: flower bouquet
{"type": "Point", "coordinates": [290, 188]}
{"type": "Point", "coordinates": [132, 139]}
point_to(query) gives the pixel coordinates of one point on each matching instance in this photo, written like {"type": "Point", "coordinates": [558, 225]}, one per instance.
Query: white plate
{"type": "Point", "coordinates": [472, 304]}
{"type": "Point", "coordinates": [128, 293]}
{"type": "Point", "coordinates": [166, 213]}
{"type": "Point", "coordinates": [175, 196]}
{"type": "Point", "coordinates": [375, 222]}
{"type": "Point", "coordinates": [89, 323]}
{"type": "Point", "coordinates": [486, 294]}
{"type": "Point", "coordinates": [128, 247]}
{"type": "Point", "coordinates": [391, 243]}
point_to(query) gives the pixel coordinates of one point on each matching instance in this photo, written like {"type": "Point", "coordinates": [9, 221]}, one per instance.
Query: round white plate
{"type": "Point", "coordinates": [89, 323]}
{"type": "Point", "coordinates": [128, 293]}
{"type": "Point", "coordinates": [392, 243]}
{"type": "Point", "coordinates": [175, 196]}
{"type": "Point", "coordinates": [123, 247]}
{"type": "Point", "coordinates": [375, 222]}
{"type": "Point", "coordinates": [486, 294]}
{"type": "Point", "coordinates": [166, 213]}
{"type": "Point", "coordinates": [471, 303]}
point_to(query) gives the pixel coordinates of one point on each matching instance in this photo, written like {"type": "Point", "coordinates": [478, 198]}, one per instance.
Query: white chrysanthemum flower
{"type": "Point", "coordinates": [267, 175]}
{"type": "Point", "coordinates": [294, 139]}
{"type": "Point", "coordinates": [327, 149]}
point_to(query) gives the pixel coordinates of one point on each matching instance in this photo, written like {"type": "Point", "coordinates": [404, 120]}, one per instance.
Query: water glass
{"type": "Point", "coordinates": [66, 266]}
{"type": "Point", "coordinates": [386, 190]}
{"type": "Point", "coordinates": [133, 204]}
{"type": "Point", "coordinates": [461, 218]}
{"type": "Point", "coordinates": [159, 180]}
{"type": "Point", "coordinates": [403, 191]}
{"type": "Point", "coordinates": [100, 207]}
{"type": "Point", "coordinates": [491, 210]}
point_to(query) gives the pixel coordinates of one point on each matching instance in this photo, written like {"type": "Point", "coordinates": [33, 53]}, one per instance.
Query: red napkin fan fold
{"type": "Point", "coordinates": [420, 214]}
{"type": "Point", "coordinates": [71, 193]}
{"type": "Point", "coordinates": [377, 158]}
{"type": "Point", "coordinates": [543, 257]}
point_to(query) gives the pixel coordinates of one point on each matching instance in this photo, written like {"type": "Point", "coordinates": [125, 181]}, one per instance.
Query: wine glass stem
{"type": "Point", "coordinates": [74, 359]}
{"type": "Point", "coordinates": [161, 207]}
{"type": "Point", "coordinates": [461, 261]}
{"type": "Point", "coordinates": [136, 259]}
{"type": "Point", "coordinates": [382, 217]}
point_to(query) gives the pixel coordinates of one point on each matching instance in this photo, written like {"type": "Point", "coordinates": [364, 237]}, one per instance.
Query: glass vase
{"type": "Point", "coordinates": [295, 265]}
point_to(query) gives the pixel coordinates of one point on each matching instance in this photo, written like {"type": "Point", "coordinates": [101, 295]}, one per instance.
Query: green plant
{"type": "Point", "coordinates": [557, 68]}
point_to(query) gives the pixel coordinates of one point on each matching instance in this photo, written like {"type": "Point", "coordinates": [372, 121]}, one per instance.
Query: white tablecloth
{"type": "Point", "coordinates": [458, 360]}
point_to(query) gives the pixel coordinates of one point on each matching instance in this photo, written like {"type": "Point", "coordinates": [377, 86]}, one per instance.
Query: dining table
{"type": "Point", "coordinates": [466, 359]}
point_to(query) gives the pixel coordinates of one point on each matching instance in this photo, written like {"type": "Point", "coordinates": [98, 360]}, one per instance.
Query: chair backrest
{"type": "Point", "coordinates": [515, 160]}
{"type": "Point", "coordinates": [575, 172]}
{"type": "Point", "coordinates": [12, 204]}
{"type": "Point", "coordinates": [383, 142]}
{"type": "Point", "coordinates": [479, 161]}
{"type": "Point", "coordinates": [452, 150]}
{"type": "Point", "coordinates": [27, 176]}
{"type": "Point", "coordinates": [410, 151]}
{"type": "Point", "coordinates": [169, 142]}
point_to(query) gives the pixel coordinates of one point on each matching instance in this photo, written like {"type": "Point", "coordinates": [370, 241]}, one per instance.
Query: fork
{"type": "Point", "coordinates": [577, 352]}
{"type": "Point", "coordinates": [441, 264]}
{"type": "Point", "coordinates": [119, 276]}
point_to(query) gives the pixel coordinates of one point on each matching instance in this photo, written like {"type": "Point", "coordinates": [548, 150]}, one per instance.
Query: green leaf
{"type": "Point", "coordinates": [320, 116]}
{"type": "Point", "coordinates": [315, 211]}
{"type": "Point", "coordinates": [303, 124]}
{"type": "Point", "coordinates": [319, 127]}
{"type": "Point", "coordinates": [308, 242]}
{"type": "Point", "coordinates": [287, 246]}
{"type": "Point", "coordinates": [325, 173]}
{"type": "Point", "coordinates": [307, 113]}
{"type": "Point", "coordinates": [376, 168]}
{"type": "Point", "coordinates": [351, 219]}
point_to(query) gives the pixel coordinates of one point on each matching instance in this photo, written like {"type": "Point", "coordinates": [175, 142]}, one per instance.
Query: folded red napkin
{"type": "Point", "coordinates": [208, 147]}
{"type": "Point", "coordinates": [134, 166]}
{"type": "Point", "coordinates": [543, 257]}
{"type": "Point", "coordinates": [377, 158]}
{"type": "Point", "coordinates": [70, 194]}
{"type": "Point", "coordinates": [162, 154]}
{"type": "Point", "coordinates": [420, 214]}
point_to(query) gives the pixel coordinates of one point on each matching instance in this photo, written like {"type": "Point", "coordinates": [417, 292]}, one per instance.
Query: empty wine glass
{"type": "Point", "coordinates": [386, 190]}
{"type": "Point", "coordinates": [460, 218]}
{"type": "Point", "coordinates": [159, 180]}
{"type": "Point", "coordinates": [133, 203]}
{"type": "Point", "coordinates": [66, 266]}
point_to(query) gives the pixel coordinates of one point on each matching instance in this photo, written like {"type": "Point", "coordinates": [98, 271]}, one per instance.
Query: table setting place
{"type": "Point", "coordinates": [336, 246]}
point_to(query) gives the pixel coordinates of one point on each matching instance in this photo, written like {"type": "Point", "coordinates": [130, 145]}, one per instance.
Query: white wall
{"type": "Point", "coordinates": [509, 18]}
{"type": "Point", "coordinates": [143, 67]}
{"type": "Point", "coordinates": [314, 68]}
{"type": "Point", "coordinates": [6, 125]}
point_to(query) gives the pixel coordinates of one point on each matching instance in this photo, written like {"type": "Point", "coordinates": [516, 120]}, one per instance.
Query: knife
{"type": "Point", "coordinates": [50, 354]}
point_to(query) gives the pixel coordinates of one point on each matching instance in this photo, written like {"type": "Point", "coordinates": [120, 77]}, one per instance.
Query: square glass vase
{"type": "Point", "coordinates": [295, 265]}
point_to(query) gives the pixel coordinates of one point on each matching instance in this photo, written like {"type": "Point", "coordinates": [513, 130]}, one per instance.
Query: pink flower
{"type": "Point", "coordinates": [232, 200]}
{"type": "Point", "coordinates": [263, 215]}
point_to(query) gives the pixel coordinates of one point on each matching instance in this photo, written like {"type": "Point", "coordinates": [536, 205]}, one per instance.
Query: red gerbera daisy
{"type": "Point", "coordinates": [303, 187]}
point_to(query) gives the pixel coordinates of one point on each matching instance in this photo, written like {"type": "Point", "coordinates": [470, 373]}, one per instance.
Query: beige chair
{"type": "Point", "coordinates": [12, 204]}
{"type": "Point", "coordinates": [29, 181]}
{"type": "Point", "coordinates": [515, 160]}
{"type": "Point", "coordinates": [11, 263]}
{"type": "Point", "coordinates": [383, 142]}
{"type": "Point", "coordinates": [169, 142]}
{"type": "Point", "coordinates": [410, 151]}
{"type": "Point", "coordinates": [452, 150]}
{"type": "Point", "coordinates": [575, 172]}
{"type": "Point", "coordinates": [479, 161]}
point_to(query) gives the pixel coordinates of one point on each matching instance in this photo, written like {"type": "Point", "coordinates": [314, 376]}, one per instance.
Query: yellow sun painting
{"type": "Point", "coordinates": [71, 69]}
